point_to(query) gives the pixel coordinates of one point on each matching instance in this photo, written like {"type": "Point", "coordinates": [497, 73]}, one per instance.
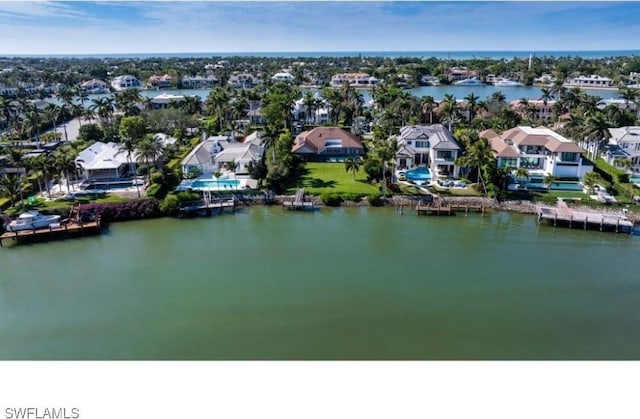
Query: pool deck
{"type": "Point", "coordinates": [563, 215]}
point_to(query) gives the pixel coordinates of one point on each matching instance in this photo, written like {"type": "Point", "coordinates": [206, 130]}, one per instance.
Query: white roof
{"type": "Point", "coordinates": [102, 156]}
{"type": "Point", "coordinates": [544, 131]}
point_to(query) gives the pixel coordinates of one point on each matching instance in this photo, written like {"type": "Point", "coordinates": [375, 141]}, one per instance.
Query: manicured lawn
{"type": "Point", "coordinates": [317, 178]}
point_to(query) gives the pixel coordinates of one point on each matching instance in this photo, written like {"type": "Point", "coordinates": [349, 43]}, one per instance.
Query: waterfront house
{"type": "Point", "coordinates": [624, 144]}
{"type": "Point", "coordinates": [540, 109]}
{"type": "Point", "coordinates": [212, 154]}
{"type": "Point", "coordinates": [460, 73]}
{"type": "Point", "coordinates": [103, 161]}
{"type": "Point", "coordinates": [125, 82]}
{"type": "Point", "coordinates": [545, 79]}
{"type": "Point", "coordinates": [242, 80]}
{"type": "Point", "coordinates": [541, 151]}
{"type": "Point", "coordinates": [95, 86]}
{"type": "Point", "coordinates": [327, 144]}
{"type": "Point", "coordinates": [431, 146]}
{"type": "Point", "coordinates": [165, 100]}
{"type": "Point", "coordinates": [161, 82]}
{"type": "Point", "coordinates": [622, 104]}
{"type": "Point", "coordinates": [198, 82]}
{"type": "Point", "coordinates": [589, 82]}
{"type": "Point", "coordinates": [354, 80]}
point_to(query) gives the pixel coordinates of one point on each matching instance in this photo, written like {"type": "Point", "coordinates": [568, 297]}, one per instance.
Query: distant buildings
{"type": "Point", "coordinates": [95, 86]}
{"type": "Point", "coordinates": [161, 82]}
{"type": "Point", "coordinates": [198, 82]}
{"type": "Point", "coordinates": [590, 81]}
{"type": "Point", "coordinates": [354, 80]}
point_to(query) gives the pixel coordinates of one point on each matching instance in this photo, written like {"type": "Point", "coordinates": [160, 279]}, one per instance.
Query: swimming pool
{"type": "Point", "coordinates": [555, 186]}
{"type": "Point", "coordinates": [634, 178]}
{"type": "Point", "coordinates": [220, 184]}
{"type": "Point", "coordinates": [418, 174]}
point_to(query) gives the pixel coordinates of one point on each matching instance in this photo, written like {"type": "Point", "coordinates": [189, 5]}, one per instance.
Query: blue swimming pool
{"type": "Point", "coordinates": [216, 184]}
{"type": "Point", "coordinates": [634, 178]}
{"type": "Point", "coordinates": [555, 186]}
{"type": "Point", "coordinates": [420, 174]}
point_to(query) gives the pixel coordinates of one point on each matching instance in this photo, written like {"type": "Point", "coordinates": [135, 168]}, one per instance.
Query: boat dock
{"type": "Point", "coordinates": [298, 202]}
{"type": "Point", "coordinates": [208, 204]}
{"type": "Point", "coordinates": [438, 206]}
{"type": "Point", "coordinates": [74, 226]}
{"type": "Point", "coordinates": [564, 216]}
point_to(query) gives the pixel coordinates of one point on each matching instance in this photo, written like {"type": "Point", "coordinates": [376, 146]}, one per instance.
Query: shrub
{"type": "Point", "coordinates": [375, 199]}
{"type": "Point", "coordinates": [169, 205]}
{"type": "Point", "coordinates": [155, 190]}
{"type": "Point", "coordinates": [157, 177]}
{"type": "Point", "coordinates": [331, 199]}
{"type": "Point", "coordinates": [136, 209]}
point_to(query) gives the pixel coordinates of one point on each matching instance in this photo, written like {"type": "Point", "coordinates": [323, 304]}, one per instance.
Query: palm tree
{"type": "Point", "coordinates": [522, 173]}
{"type": "Point", "coordinates": [32, 124]}
{"type": "Point", "coordinates": [449, 111]}
{"type": "Point", "coordinates": [472, 105]}
{"type": "Point", "coordinates": [7, 111]}
{"type": "Point", "coordinates": [478, 156]}
{"type": "Point", "coordinates": [309, 101]}
{"type": "Point", "coordinates": [149, 151]}
{"type": "Point", "coordinates": [65, 163]}
{"type": "Point", "coordinates": [353, 165]}
{"type": "Point", "coordinates": [590, 180]}
{"type": "Point", "coordinates": [549, 180]}
{"type": "Point", "coordinates": [427, 105]}
{"type": "Point", "coordinates": [11, 187]}
{"type": "Point", "coordinates": [16, 159]}
{"type": "Point", "coordinates": [597, 132]}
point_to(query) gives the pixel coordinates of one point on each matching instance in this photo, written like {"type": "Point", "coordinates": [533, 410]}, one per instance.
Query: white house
{"type": "Point", "coordinates": [624, 144]}
{"type": "Point", "coordinates": [164, 100]}
{"type": "Point", "coordinates": [198, 82]}
{"type": "Point", "coordinates": [242, 80]}
{"type": "Point", "coordinates": [431, 146]}
{"type": "Point", "coordinates": [283, 77]}
{"type": "Point", "coordinates": [354, 80]}
{"type": "Point", "coordinates": [125, 82]}
{"type": "Point", "coordinates": [214, 153]}
{"type": "Point", "coordinates": [589, 81]}
{"type": "Point", "coordinates": [95, 86]}
{"type": "Point", "coordinates": [103, 161]}
{"type": "Point", "coordinates": [539, 150]}
{"type": "Point", "coordinates": [622, 104]}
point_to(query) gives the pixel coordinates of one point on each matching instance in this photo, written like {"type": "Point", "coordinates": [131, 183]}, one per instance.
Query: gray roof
{"type": "Point", "coordinates": [439, 137]}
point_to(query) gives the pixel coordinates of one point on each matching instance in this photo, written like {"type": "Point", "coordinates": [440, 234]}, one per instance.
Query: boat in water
{"type": "Point", "coordinates": [507, 83]}
{"type": "Point", "coordinates": [32, 220]}
{"type": "Point", "coordinates": [469, 82]}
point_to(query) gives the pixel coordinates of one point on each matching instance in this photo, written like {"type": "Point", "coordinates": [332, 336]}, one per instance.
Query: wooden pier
{"type": "Point", "coordinates": [207, 205]}
{"type": "Point", "coordinates": [69, 228]}
{"type": "Point", "coordinates": [563, 216]}
{"type": "Point", "coordinates": [438, 206]}
{"type": "Point", "coordinates": [298, 202]}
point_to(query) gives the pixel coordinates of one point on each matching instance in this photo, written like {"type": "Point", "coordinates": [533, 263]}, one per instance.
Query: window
{"type": "Point", "coordinates": [422, 144]}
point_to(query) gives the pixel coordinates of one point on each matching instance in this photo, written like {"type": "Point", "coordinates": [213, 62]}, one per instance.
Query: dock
{"type": "Point", "coordinates": [563, 216]}
{"type": "Point", "coordinates": [71, 227]}
{"type": "Point", "coordinates": [298, 203]}
{"type": "Point", "coordinates": [207, 205]}
{"type": "Point", "coordinates": [439, 206]}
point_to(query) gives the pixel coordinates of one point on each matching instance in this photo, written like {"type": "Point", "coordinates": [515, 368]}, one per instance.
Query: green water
{"type": "Point", "coordinates": [336, 284]}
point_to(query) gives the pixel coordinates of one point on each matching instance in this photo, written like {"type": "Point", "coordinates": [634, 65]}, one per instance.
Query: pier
{"type": "Point", "coordinates": [207, 205]}
{"type": "Point", "coordinates": [72, 227]}
{"type": "Point", "coordinates": [438, 206]}
{"type": "Point", "coordinates": [298, 203]}
{"type": "Point", "coordinates": [563, 216]}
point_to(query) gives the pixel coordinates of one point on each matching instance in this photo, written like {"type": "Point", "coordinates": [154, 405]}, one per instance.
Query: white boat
{"type": "Point", "coordinates": [506, 83]}
{"type": "Point", "coordinates": [32, 220]}
{"type": "Point", "coordinates": [469, 82]}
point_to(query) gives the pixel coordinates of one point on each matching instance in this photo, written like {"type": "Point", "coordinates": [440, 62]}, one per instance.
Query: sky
{"type": "Point", "coordinates": [123, 27]}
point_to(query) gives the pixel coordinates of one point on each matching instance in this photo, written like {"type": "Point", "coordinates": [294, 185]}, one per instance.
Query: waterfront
{"type": "Point", "coordinates": [348, 283]}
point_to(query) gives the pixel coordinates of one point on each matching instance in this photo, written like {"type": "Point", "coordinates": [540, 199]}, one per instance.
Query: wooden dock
{"type": "Point", "coordinates": [207, 205]}
{"type": "Point", "coordinates": [66, 229]}
{"type": "Point", "coordinates": [298, 203]}
{"type": "Point", "coordinates": [438, 206]}
{"type": "Point", "coordinates": [563, 216]}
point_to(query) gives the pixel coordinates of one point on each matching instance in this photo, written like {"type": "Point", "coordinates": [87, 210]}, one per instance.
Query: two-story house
{"type": "Point", "coordinates": [624, 144]}
{"type": "Point", "coordinates": [431, 146]}
{"type": "Point", "coordinates": [541, 151]}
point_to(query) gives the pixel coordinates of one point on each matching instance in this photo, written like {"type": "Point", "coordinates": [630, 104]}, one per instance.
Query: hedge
{"type": "Point", "coordinates": [610, 173]}
{"type": "Point", "coordinates": [136, 209]}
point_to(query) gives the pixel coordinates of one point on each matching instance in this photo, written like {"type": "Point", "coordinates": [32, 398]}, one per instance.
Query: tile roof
{"type": "Point", "coordinates": [316, 138]}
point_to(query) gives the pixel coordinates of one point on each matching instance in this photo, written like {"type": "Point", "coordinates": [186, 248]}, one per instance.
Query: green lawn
{"type": "Point", "coordinates": [317, 178]}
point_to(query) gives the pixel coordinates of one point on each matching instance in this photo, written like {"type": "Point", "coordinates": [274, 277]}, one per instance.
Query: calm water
{"type": "Point", "coordinates": [336, 284]}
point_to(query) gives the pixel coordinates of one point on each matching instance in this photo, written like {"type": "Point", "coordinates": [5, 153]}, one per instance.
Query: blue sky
{"type": "Point", "coordinates": [49, 27]}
